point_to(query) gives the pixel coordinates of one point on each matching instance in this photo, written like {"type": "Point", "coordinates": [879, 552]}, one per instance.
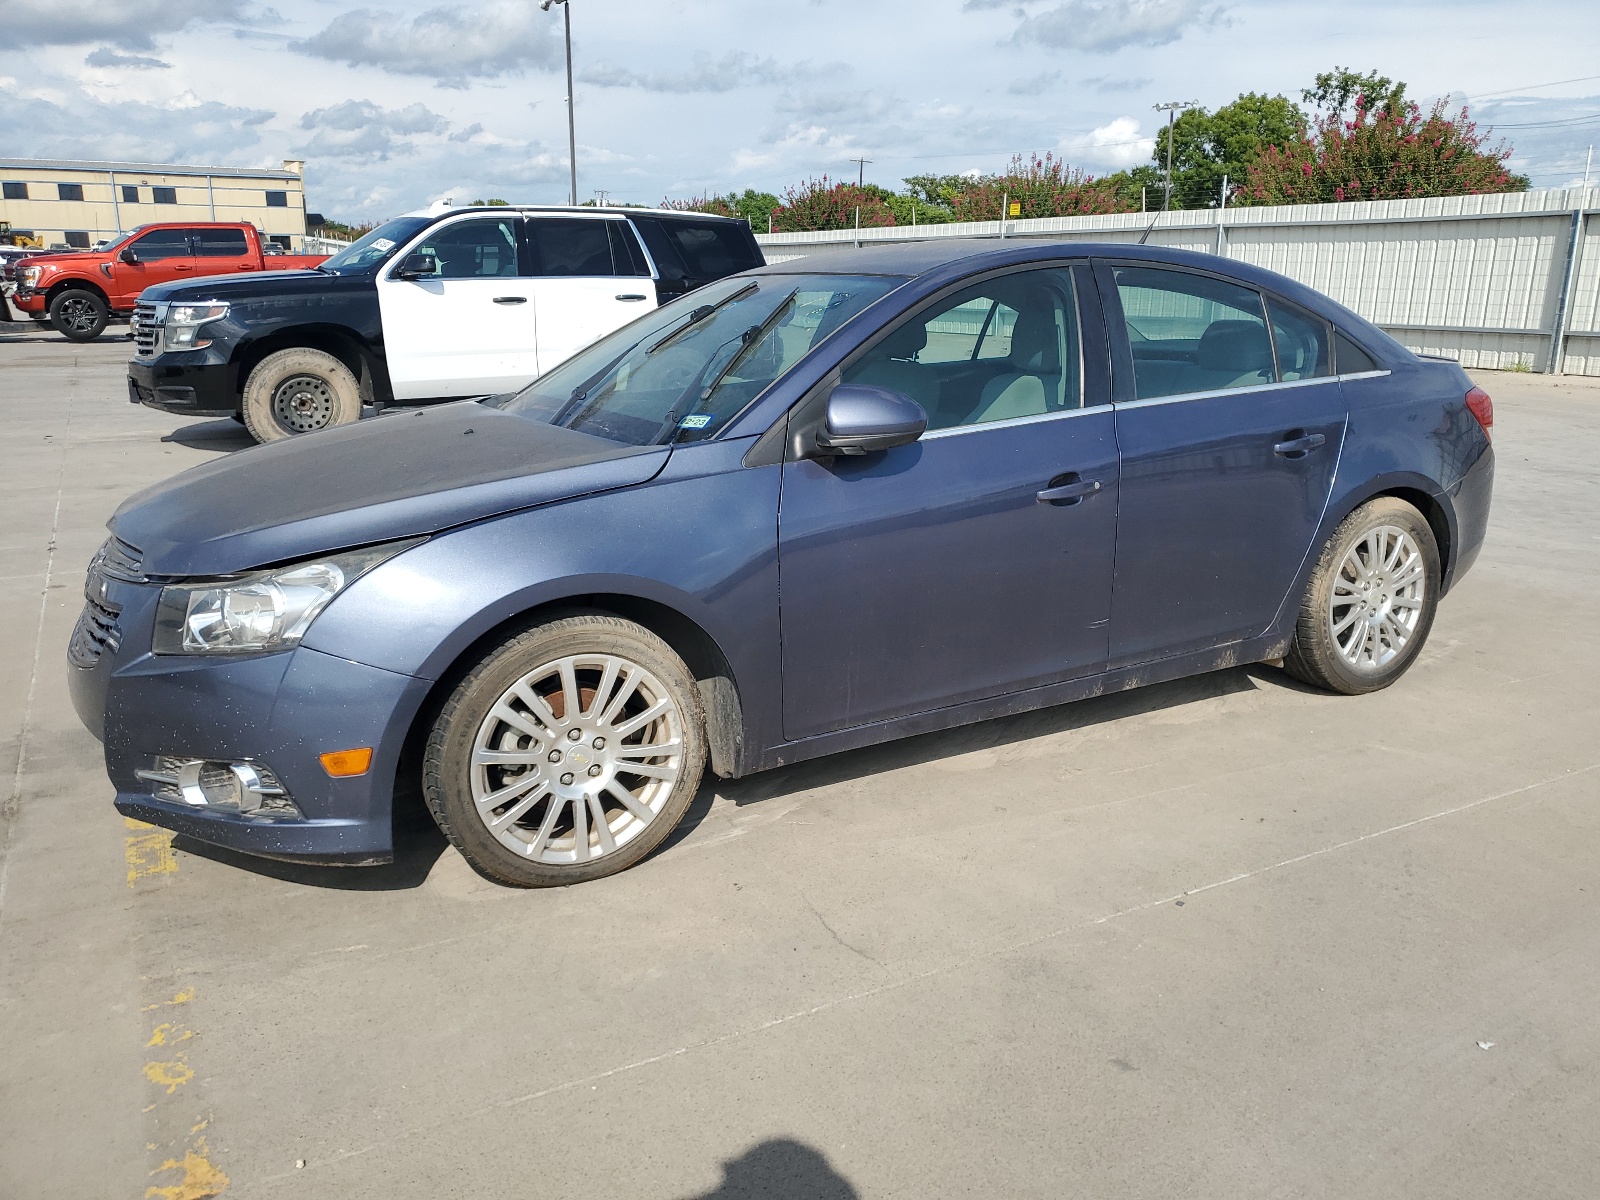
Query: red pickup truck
{"type": "Point", "coordinates": [80, 292]}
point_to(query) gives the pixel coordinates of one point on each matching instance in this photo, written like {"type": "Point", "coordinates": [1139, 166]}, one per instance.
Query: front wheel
{"type": "Point", "coordinates": [299, 391]}
{"type": "Point", "coordinates": [79, 315]}
{"type": "Point", "coordinates": [568, 754]}
{"type": "Point", "coordinates": [1370, 602]}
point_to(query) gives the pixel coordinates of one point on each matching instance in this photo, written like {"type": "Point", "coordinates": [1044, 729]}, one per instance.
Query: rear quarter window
{"type": "Point", "coordinates": [706, 250]}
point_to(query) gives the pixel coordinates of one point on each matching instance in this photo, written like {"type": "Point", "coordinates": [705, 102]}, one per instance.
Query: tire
{"type": "Point", "coordinates": [299, 391]}
{"type": "Point", "coordinates": [79, 315]}
{"type": "Point", "coordinates": [544, 776]}
{"type": "Point", "coordinates": [1360, 627]}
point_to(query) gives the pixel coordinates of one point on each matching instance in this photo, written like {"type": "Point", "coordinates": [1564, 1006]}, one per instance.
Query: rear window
{"type": "Point", "coordinates": [702, 251]}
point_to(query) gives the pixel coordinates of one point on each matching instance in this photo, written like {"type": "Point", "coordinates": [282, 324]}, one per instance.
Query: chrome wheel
{"type": "Point", "coordinates": [576, 759]}
{"type": "Point", "coordinates": [1377, 598]}
{"type": "Point", "coordinates": [303, 403]}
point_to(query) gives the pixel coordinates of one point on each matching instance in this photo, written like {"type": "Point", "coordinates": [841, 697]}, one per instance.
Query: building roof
{"type": "Point", "coordinates": [137, 168]}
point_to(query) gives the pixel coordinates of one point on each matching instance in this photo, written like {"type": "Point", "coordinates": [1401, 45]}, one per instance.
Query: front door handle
{"type": "Point", "coordinates": [1067, 489]}
{"type": "Point", "coordinates": [1299, 444]}
{"type": "Point", "coordinates": [630, 297]}
{"type": "Point", "coordinates": [510, 299]}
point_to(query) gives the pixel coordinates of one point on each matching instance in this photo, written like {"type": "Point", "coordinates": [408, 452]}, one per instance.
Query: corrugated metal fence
{"type": "Point", "coordinates": [1505, 281]}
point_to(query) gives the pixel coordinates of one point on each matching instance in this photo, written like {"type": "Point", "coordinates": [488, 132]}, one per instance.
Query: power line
{"type": "Point", "coordinates": [1530, 87]}
{"type": "Point", "coordinates": [1583, 120]}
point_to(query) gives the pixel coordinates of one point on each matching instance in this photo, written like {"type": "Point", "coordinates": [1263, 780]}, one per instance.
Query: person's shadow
{"type": "Point", "coordinates": [780, 1169]}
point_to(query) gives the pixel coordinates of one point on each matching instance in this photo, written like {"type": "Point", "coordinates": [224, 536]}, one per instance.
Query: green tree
{"type": "Point", "coordinates": [1039, 187]}
{"type": "Point", "coordinates": [755, 207]}
{"type": "Point", "coordinates": [823, 204]}
{"type": "Point", "coordinates": [1340, 89]}
{"type": "Point", "coordinates": [1210, 146]}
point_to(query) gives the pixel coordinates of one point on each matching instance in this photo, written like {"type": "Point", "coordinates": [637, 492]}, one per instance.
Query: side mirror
{"type": "Point", "coordinates": [862, 420]}
{"type": "Point", "coordinates": [417, 266]}
{"type": "Point", "coordinates": [128, 256]}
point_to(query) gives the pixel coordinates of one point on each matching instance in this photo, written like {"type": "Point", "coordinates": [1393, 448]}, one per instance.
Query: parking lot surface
{"type": "Point", "coordinates": [1222, 937]}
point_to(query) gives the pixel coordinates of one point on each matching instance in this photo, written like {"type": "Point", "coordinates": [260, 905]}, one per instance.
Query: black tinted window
{"type": "Point", "coordinates": [484, 248]}
{"type": "Point", "coordinates": [277, 199]}
{"type": "Point", "coordinates": [1301, 340]}
{"type": "Point", "coordinates": [712, 250]}
{"type": "Point", "coordinates": [1193, 333]}
{"type": "Point", "coordinates": [626, 254]}
{"type": "Point", "coordinates": [220, 243]}
{"type": "Point", "coordinates": [69, 191]}
{"type": "Point", "coordinates": [1352, 358]}
{"type": "Point", "coordinates": [568, 246]}
{"type": "Point", "coordinates": [162, 243]}
{"type": "Point", "coordinates": [15, 191]}
{"type": "Point", "coordinates": [997, 351]}
{"type": "Point", "coordinates": [130, 194]}
{"type": "Point", "coordinates": [164, 195]}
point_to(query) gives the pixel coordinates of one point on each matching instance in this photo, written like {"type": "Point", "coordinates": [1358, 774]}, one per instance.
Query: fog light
{"type": "Point", "coordinates": [342, 764]}
{"type": "Point", "coordinates": [247, 788]}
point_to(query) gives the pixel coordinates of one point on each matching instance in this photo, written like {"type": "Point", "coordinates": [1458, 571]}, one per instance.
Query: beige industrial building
{"type": "Point", "coordinates": [67, 203]}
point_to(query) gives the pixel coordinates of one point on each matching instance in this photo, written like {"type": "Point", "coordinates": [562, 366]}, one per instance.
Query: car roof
{"type": "Point", "coordinates": [582, 210]}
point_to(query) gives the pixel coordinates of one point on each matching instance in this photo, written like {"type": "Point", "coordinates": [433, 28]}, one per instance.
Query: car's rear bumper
{"type": "Point", "coordinates": [1470, 497]}
{"type": "Point", "coordinates": [183, 384]}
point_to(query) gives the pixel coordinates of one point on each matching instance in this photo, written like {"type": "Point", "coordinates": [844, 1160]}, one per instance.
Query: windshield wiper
{"type": "Point", "coordinates": [701, 313]}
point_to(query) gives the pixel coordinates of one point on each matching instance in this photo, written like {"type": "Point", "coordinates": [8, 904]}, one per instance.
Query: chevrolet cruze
{"type": "Point", "coordinates": [811, 507]}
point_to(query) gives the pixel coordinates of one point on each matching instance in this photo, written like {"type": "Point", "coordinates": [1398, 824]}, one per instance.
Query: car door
{"type": "Point", "coordinates": [161, 256]}
{"type": "Point", "coordinates": [470, 328]}
{"type": "Point", "coordinates": [590, 278]}
{"type": "Point", "coordinates": [1228, 451]}
{"type": "Point", "coordinates": [978, 560]}
{"type": "Point", "coordinates": [222, 251]}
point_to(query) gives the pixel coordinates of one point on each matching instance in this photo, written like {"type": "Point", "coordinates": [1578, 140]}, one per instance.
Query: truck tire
{"type": "Point", "coordinates": [299, 391]}
{"type": "Point", "coordinates": [79, 315]}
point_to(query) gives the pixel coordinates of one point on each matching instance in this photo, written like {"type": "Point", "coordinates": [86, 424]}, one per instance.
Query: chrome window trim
{"type": "Point", "coordinates": [1012, 422]}
{"type": "Point", "coordinates": [1245, 391]}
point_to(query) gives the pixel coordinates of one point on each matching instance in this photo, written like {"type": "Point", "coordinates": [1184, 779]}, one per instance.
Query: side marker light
{"type": "Point", "coordinates": [342, 764]}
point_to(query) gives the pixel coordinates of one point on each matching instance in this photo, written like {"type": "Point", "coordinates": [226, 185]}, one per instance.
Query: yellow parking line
{"type": "Point", "coordinates": [200, 1179]}
{"type": "Point", "coordinates": [148, 851]}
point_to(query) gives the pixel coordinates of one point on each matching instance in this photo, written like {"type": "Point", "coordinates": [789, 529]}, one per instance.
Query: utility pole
{"type": "Point", "coordinates": [861, 173]}
{"type": "Point", "coordinates": [1587, 163]}
{"type": "Point", "coordinates": [600, 195]}
{"type": "Point", "coordinates": [572, 120]}
{"type": "Point", "coordinates": [1171, 108]}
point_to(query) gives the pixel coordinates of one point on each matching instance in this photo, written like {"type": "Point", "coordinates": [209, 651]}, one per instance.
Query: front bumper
{"type": "Point", "coordinates": [280, 710]}
{"type": "Point", "coordinates": [191, 383]}
{"type": "Point", "coordinates": [28, 302]}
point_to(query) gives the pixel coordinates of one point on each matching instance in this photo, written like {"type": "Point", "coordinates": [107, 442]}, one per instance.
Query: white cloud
{"type": "Point", "coordinates": [360, 129]}
{"type": "Point", "coordinates": [1082, 25]}
{"type": "Point", "coordinates": [449, 45]}
{"type": "Point", "coordinates": [125, 23]}
{"type": "Point", "coordinates": [1114, 146]}
{"type": "Point", "coordinates": [737, 69]}
{"type": "Point", "coordinates": [105, 56]}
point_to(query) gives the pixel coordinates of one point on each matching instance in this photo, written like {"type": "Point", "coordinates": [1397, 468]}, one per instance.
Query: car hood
{"type": "Point", "coordinates": [411, 472]}
{"type": "Point", "coordinates": [224, 287]}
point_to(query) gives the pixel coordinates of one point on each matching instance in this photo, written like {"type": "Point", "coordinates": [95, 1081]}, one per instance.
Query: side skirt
{"type": "Point", "coordinates": [1261, 649]}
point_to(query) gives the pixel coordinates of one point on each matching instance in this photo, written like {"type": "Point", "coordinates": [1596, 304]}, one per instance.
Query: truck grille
{"type": "Point", "coordinates": [95, 633]}
{"type": "Point", "coordinates": [120, 561]}
{"type": "Point", "coordinates": [145, 330]}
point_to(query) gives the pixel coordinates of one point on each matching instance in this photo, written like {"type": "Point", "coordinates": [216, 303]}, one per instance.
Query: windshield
{"type": "Point", "coordinates": [375, 246]}
{"type": "Point", "coordinates": [683, 372]}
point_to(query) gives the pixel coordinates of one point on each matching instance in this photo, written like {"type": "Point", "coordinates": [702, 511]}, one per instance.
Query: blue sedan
{"type": "Point", "coordinates": [812, 507]}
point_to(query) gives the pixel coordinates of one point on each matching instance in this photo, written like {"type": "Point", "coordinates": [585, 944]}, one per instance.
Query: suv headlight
{"type": "Point", "coordinates": [262, 611]}
{"type": "Point", "coordinates": [184, 322]}
{"type": "Point", "coordinates": [29, 276]}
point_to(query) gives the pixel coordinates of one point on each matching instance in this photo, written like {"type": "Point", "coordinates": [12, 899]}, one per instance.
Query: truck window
{"type": "Point", "coordinates": [162, 243]}
{"type": "Point", "coordinates": [477, 249]}
{"type": "Point", "coordinates": [572, 246]}
{"type": "Point", "coordinates": [711, 251]}
{"type": "Point", "coordinates": [220, 243]}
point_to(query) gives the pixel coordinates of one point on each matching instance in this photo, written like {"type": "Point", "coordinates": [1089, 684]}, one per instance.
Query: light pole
{"type": "Point", "coordinates": [572, 121]}
{"type": "Point", "coordinates": [1171, 108]}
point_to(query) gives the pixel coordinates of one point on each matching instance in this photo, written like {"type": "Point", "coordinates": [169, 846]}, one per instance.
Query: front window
{"type": "Point", "coordinates": [375, 247]}
{"type": "Point", "coordinates": [683, 372]}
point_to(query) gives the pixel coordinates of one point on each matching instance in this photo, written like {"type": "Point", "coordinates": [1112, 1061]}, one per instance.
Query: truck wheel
{"type": "Point", "coordinates": [299, 391]}
{"type": "Point", "coordinates": [79, 315]}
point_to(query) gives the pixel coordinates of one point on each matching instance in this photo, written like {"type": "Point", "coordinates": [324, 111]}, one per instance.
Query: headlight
{"type": "Point", "coordinates": [184, 322]}
{"type": "Point", "coordinates": [262, 611]}
{"type": "Point", "coordinates": [30, 276]}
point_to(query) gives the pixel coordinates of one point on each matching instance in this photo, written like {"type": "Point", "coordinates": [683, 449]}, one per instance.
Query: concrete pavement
{"type": "Point", "coordinates": [1223, 937]}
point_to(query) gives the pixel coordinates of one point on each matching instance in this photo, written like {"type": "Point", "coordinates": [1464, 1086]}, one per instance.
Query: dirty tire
{"type": "Point", "coordinates": [79, 315]}
{"type": "Point", "coordinates": [297, 391]}
{"type": "Point", "coordinates": [537, 842]}
{"type": "Point", "coordinates": [1316, 655]}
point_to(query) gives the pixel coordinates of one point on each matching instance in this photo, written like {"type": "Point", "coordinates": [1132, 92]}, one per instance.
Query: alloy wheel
{"type": "Point", "coordinates": [1377, 598]}
{"type": "Point", "coordinates": [77, 314]}
{"type": "Point", "coordinates": [576, 759]}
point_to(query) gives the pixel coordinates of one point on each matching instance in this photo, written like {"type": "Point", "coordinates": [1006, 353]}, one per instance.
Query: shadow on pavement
{"type": "Point", "coordinates": [417, 846]}
{"type": "Point", "coordinates": [780, 1169]}
{"type": "Point", "coordinates": [223, 434]}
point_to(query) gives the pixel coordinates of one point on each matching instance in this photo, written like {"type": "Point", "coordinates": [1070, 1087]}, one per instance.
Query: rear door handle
{"type": "Point", "coordinates": [1300, 446]}
{"type": "Point", "coordinates": [1071, 492]}
{"type": "Point", "coordinates": [630, 297]}
{"type": "Point", "coordinates": [510, 299]}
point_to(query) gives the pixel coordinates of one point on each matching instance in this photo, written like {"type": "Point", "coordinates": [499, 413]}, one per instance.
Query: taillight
{"type": "Point", "coordinates": [1479, 404]}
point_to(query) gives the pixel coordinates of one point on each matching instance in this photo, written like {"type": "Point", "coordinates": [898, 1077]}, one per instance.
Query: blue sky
{"type": "Point", "coordinates": [399, 104]}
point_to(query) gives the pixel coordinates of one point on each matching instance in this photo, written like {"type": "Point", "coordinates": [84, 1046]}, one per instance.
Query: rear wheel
{"type": "Point", "coordinates": [79, 315]}
{"type": "Point", "coordinates": [568, 754]}
{"type": "Point", "coordinates": [1370, 603]}
{"type": "Point", "coordinates": [299, 391]}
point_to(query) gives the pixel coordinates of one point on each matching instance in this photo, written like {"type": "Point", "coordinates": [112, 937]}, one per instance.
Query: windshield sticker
{"type": "Point", "coordinates": [382, 244]}
{"type": "Point", "coordinates": [696, 421]}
